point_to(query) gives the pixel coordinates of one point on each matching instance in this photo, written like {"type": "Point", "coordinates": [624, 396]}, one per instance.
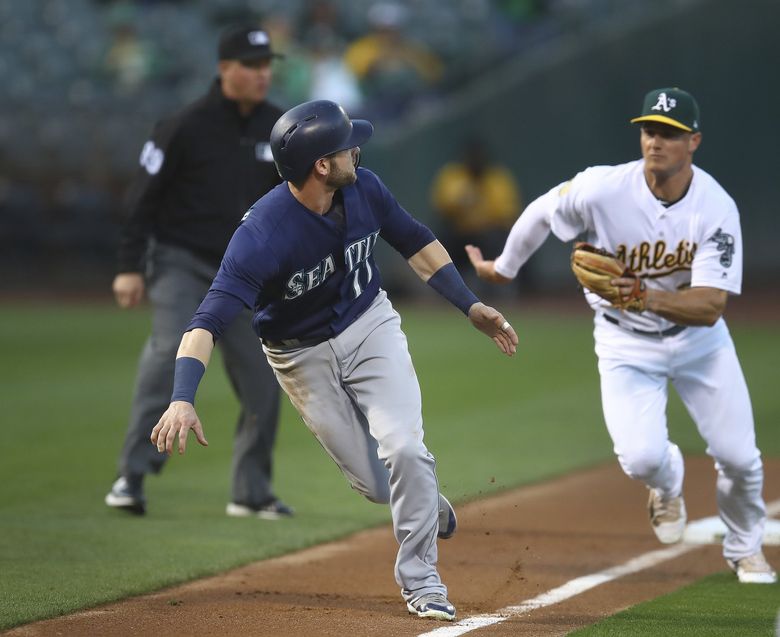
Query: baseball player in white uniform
{"type": "Point", "coordinates": [679, 231]}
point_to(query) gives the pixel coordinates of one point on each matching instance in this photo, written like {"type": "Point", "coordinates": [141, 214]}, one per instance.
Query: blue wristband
{"type": "Point", "coordinates": [189, 371]}
{"type": "Point", "coordinates": [448, 282]}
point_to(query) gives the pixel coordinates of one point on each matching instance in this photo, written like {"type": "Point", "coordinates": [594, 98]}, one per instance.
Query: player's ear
{"type": "Point", "coordinates": [694, 141]}
{"type": "Point", "coordinates": [322, 167]}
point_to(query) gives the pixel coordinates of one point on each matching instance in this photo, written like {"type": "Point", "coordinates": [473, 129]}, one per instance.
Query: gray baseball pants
{"type": "Point", "coordinates": [177, 281]}
{"type": "Point", "coordinates": [358, 394]}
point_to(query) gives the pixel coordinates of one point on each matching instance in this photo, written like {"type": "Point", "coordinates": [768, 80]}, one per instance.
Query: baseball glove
{"type": "Point", "coordinates": [596, 267]}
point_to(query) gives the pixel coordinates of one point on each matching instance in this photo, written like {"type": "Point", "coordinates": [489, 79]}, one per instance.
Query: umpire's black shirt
{"type": "Point", "coordinates": [199, 173]}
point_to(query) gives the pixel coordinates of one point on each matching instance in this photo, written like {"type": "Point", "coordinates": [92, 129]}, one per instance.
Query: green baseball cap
{"type": "Point", "coordinates": [671, 106]}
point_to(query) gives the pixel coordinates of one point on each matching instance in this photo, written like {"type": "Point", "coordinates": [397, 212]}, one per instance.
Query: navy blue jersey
{"type": "Point", "coordinates": [305, 275]}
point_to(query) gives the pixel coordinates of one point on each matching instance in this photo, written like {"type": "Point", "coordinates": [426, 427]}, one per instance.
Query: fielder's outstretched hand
{"type": "Point", "coordinates": [485, 269]}
{"type": "Point", "coordinates": [490, 321]}
{"type": "Point", "coordinates": [482, 267]}
{"type": "Point", "coordinates": [179, 418]}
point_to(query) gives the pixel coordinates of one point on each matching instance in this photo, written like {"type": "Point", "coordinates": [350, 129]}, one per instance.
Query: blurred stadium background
{"type": "Point", "coordinates": [549, 84]}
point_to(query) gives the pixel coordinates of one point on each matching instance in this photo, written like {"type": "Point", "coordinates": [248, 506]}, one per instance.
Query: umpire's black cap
{"type": "Point", "coordinates": [245, 43]}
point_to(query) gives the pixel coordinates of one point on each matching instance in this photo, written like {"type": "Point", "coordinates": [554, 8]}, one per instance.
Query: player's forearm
{"type": "Point", "coordinates": [197, 343]}
{"type": "Point", "coordinates": [434, 266]}
{"type": "Point", "coordinates": [191, 360]}
{"type": "Point", "coordinates": [694, 306]}
{"type": "Point", "coordinates": [429, 260]}
{"type": "Point", "coordinates": [526, 236]}
{"type": "Point", "coordinates": [487, 270]}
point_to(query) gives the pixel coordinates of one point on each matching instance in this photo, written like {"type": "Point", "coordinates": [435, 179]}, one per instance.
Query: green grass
{"type": "Point", "coordinates": [716, 606]}
{"type": "Point", "coordinates": [65, 383]}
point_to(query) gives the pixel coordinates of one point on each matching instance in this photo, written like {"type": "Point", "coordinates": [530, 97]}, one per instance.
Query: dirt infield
{"type": "Point", "coordinates": [508, 549]}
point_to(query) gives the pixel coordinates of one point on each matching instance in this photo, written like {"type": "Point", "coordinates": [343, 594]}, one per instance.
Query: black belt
{"type": "Point", "coordinates": [671, 331]}
{"type": "Point", "coordinates": [293, 342]}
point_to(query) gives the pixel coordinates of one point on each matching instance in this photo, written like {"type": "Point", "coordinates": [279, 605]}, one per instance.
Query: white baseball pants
{"type": "Point", "coordinates": [702, 364]}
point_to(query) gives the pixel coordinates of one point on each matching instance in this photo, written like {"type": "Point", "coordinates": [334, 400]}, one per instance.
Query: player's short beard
{"type": "Point", "coordinates": [339, 178]}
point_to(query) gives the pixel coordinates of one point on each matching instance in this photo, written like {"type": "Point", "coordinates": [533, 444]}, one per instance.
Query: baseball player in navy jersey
{"type": "Point", "coordinates": [303, 261]}
{"type": "Point", "coordinates": [679, 231]}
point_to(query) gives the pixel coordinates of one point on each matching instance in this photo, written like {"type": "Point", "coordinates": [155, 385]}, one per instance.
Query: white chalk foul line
{"type": "Point", "coordinates": [569, 589]}
{"type": "Point", "coordinates": [573, 587]}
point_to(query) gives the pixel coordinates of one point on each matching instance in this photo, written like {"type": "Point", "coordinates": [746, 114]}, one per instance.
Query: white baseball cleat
{"type": "Point", "coordinates": [667, 517]}
{"type": "Point", "coordinates": [753, 569]}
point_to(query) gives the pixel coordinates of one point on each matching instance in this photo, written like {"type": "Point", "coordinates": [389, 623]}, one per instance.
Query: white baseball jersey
{"type": "Point", "coordinates": [694, 242]}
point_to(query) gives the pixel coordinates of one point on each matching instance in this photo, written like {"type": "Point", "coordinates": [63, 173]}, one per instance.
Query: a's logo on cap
{"type": "Point", "coordinates": [664, 103]}
{"type": "Point", "coordinates": [257, 38]}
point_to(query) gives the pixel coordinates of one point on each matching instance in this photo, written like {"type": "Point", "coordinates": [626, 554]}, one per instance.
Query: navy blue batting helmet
{"type": "Point", "coordinates": [312, 130]}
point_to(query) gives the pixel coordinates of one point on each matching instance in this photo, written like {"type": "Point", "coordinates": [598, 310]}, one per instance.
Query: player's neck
{"type": "Point", "coordinates": [669, 188]}
{"type": "Point", "coordinates": [311, 195]}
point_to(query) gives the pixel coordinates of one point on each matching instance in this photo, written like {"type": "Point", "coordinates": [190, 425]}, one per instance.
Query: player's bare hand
{"type": "Point", "coordinates": [633, 288]}
{"type": "Point", "coordinates": [625, 284]}
{"type": "Point", "coordinates": [178, 419]}
{"type": "Point", "coordinates": [128, 289]}
{"type": "Point", "coordinates": [484, 269]}
{"type": "Point", "coordinates": [491, 322]}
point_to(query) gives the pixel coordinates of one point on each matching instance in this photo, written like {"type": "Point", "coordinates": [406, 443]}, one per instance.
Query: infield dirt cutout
{"type": "Point", "coordinates": [509, 548]}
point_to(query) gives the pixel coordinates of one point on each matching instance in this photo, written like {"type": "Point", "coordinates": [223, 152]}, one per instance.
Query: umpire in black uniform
{"type": "Point", "coordinates": [199, 173]}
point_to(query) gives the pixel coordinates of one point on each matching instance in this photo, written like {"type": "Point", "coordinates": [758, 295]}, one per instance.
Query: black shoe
{"type": "Point", "coordinates": [273, 510]}
{"type": "Point", "coordinates": [128, 495]}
